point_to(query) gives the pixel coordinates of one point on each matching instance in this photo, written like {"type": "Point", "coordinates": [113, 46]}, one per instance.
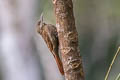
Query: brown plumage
{"type": "Point", "coordinates": [49, 34]}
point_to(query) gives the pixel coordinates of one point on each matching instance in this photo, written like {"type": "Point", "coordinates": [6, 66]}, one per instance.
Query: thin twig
{"type": "Point", "coordinates": [106, 77]}
{"type": "Point", "coordinates": [118, 77]}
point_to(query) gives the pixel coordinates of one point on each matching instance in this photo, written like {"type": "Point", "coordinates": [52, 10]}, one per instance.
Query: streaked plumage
{"type": "Point", "coordinates": [49, 34]}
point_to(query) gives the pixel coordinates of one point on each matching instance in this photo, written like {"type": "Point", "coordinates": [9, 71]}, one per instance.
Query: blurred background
{"type": "Point", "coordinates": [25, 56]}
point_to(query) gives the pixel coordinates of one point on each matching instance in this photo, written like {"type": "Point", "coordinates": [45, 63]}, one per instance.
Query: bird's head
{"type": "Point", "coordinates": [40, 24]}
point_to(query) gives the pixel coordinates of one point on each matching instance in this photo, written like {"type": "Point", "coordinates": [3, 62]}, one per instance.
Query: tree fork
{"type": "Point", "coordinates": [68, 40]}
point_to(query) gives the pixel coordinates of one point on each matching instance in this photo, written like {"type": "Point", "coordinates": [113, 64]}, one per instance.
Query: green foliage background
{"type": "Point", "coordinates": [98, 25]}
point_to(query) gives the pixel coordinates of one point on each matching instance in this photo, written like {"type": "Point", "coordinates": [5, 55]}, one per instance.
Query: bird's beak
{"type": "Point", "coordinates": [40, 24]}
{"type": "Point", "coordinates": [41, 20]}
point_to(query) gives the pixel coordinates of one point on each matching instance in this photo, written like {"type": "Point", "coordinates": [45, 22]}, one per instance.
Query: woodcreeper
{"type": "Point", "coordinates": [50, 36]}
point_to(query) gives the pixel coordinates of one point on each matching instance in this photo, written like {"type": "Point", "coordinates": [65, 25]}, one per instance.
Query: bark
{"type": "Point", "coordinates": [68, 40]}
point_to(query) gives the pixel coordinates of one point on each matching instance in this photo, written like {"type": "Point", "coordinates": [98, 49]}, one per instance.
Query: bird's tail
{"type": "Point", "coordinates": [59, 63]}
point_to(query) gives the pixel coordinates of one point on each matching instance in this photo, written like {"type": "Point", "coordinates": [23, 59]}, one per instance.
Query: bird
{"type": "Point", "coordinates": [50, 36]}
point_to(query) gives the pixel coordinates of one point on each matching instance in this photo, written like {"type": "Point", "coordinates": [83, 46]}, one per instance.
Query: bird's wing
{"type": "Point", "coordinates": [52, 43]}
{"type": "Point", "coordinates": [48, 41]}
{"type": "Point", "coordinates": [53, 39]}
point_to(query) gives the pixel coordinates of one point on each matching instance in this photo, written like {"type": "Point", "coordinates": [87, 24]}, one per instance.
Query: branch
{"type": "Point", "coordinates": [68, 40]}
{"type": "Point", "coordinates": [113, 60]}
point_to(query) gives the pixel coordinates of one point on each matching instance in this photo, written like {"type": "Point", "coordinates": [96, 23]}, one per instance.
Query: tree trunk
{"type": "Point", "coordinates": [68, 40]}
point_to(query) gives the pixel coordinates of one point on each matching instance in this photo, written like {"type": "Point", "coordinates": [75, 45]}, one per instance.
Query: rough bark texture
{"type": "Point", "coordinates": [68, 40]}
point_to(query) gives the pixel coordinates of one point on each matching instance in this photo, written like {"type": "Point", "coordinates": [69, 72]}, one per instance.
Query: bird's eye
{"type": "Point", "coordinates": [39, 22]}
